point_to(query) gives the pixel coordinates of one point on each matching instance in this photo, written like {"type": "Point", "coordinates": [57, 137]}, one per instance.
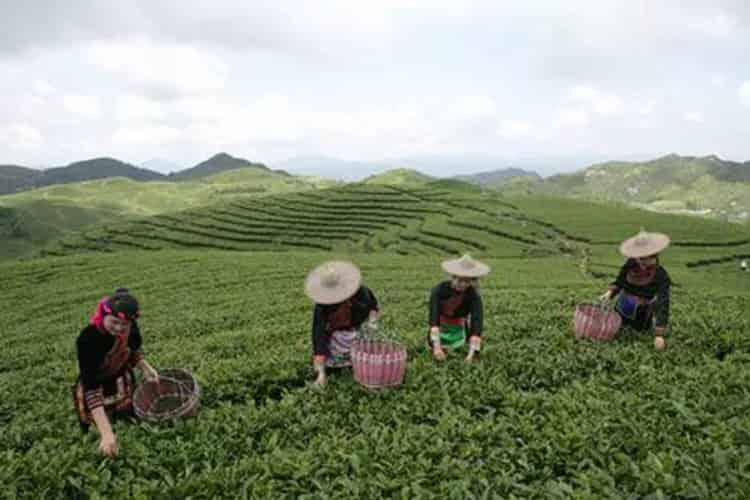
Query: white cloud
{"type": "Point", "coordinates": [718, 79]}
{"type": "Point", "coordinates": [43, 88]}
{"type": "Point", "coordinates": [375, 79]}
{"type": "Point", "coordinates": [598, 102]}
{"type": "Point", "coordinates": [145, 135]}
{"type": "Point", "coordinates": [469, 107]}
{"type": "Point", "coordinates": [513, 129]}
{"type": "Point", "coordinates": [131, 108]}
{"type": "Point", "coordinates": [571, 117]}
{"type": "Point", "coordinates": [82, 105]}
{"type": "Point", "coordinates": [162, 70]}
{"type": "Point", "coordinates": [720, 24]}
{"type": "Point", "coordinates": [21, 136]}
{"type": "Point", "coordinates": [745, 92]}
{"type": "Point", "coordinates": [647, 108]}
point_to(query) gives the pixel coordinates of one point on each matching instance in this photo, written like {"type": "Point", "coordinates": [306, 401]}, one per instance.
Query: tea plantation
{"type": "Point", "coordinates": [540, 416]}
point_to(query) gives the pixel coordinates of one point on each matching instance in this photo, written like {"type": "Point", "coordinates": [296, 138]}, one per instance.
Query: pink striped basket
{"type": "Point", "coordinates": [596, 321]}
{"type": "Point", "coordinates": [378, 363]}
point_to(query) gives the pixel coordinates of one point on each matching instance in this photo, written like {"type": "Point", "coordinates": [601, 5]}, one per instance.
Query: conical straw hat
{"type": "Point", "coordinates": [644, 244]}
{"type": "Point", "coordinates": [466, 267]}
{"type": "Point", "coordinates": [333, 282]}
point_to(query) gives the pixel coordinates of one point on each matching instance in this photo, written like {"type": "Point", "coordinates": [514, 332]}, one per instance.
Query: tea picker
{"type": "Point", "coordinates": [342, 304]}
{"type": "Point", "coordinates": [642, 287]}
{"type": "Point", "coordinates": [108, 349]}
{"type": "Point", "coordinates": [455, 309]}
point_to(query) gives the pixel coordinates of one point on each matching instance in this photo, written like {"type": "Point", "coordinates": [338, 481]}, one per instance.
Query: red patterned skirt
{"type": "Point", "coordinates": [117, 394]}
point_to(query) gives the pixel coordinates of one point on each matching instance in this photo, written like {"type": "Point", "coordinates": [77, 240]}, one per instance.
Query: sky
{"type": "Point", "coordinates": [373, 81]}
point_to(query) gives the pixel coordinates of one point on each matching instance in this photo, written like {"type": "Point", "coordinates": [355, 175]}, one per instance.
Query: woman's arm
{"type": "Point", "coordinates": [108, 444]}
{"type": "Point", "coordinates": [321, 349]}
{"type": "Point", "coordinates": [661, 308]}
{"type": "Point", "coordinates": [434, 308]}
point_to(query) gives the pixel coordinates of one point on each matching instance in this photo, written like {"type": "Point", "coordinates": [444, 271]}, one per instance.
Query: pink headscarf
{"type": "Point", "coordinates": [102, 309]}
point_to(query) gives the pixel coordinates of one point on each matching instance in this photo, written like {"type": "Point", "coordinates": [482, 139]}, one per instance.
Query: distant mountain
{"type": "Point", "coordinates": [98, 168]}
{"type": "Point", "coordinates": [399, 176]}
{"type": "Point", "coordinates": [497, 178]}
{"type": "Point", "coordinates": [162, 166]}
{"type": "Point", "coordinates": [685, 184]}
{"type": "Point", "coordinates": [14, 178]}
{"type": "Point", "coordinates": [217, 164]}
{"type": "Point", "coordinates": [335, 168]}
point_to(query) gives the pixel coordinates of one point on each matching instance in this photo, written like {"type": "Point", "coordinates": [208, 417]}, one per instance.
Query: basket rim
{"type": "Point", "coordinates": [190, 402]}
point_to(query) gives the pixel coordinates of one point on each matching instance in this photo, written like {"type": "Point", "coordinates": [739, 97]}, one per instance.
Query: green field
{"type": "Point", "coordinates": [51, 212]}
{"type": "Point", "coordinates": [541, 416]}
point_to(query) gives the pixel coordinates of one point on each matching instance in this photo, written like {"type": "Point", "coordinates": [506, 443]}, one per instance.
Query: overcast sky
{"type": "Point", "coordinates": [371, 81]}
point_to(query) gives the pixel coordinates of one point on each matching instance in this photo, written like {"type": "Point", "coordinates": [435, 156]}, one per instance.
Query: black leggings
{"type": "Point", "coordinates": [642, 322]}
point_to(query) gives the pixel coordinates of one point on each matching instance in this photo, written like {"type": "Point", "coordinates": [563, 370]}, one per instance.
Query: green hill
{"type": "Point", "coordinates": [14, 178]}
{"type": "Point", "coordinates": [217, 164]}
{"type": "Point", "coordinates": [703, 186]}
{"type": "Point", "coordinates": [50, 212]}
{"type": "Point", "coordinates": [498, 178]}
{"type": "Point", "coordinates": [439, 218]}
{"type": "Point", "coordinates": [399, 177]}
{"type": "Point", "coordinates": [97, 168]}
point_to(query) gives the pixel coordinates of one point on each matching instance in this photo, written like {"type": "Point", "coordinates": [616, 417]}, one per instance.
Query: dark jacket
{"type": "Point", "coordinates": [347, 315]}
{"type": "Point", "coordinates": [445, 301]}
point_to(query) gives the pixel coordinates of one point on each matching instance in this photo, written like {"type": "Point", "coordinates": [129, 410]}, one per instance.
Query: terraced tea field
{"type": "Point", "coordinates": [541, 416]}
{"type": "Point", "coordinates": [426, 220]}
{"type": "Point", "coordinates": [364, 218]}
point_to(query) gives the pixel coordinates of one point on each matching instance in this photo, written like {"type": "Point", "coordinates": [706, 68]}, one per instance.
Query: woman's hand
{"type": "Point", "coordinates": [108, 445]}
{"type": "Point", "coordinates": [320, 368]}
{"type": "Point", "coordinates": [606, 296]}
{"type": "Point", "coordinates": [148, 371]}
{"type": "Point", "coordinates": [437, 350]}
{"type": "Point", "coordinates": [438, 353]}
{"type": "Point", "coordinates": [321, 380]}
{"type": "Point", "coordinates": [659, 343]}
{"type": "Point", "coordinates": [475, 343]}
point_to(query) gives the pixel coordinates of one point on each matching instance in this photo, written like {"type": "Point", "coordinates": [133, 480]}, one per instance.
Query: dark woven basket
{"type": "Point", "coordinates": [176, 394]}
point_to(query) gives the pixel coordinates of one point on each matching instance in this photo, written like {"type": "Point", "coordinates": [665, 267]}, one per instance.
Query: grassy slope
{"type": "Point", "coordinates": [601, 222]}
{"type": "Point", "coordinates": [671, 183]}
{"type": "Point", "coordinates": [399, 177]}
{"type": "Point", "coordinates": [441, 218]}
{"type": "Point", "coordinates": [50, 212]}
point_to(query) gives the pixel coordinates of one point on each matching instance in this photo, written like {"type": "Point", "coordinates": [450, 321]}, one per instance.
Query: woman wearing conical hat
{"type": "Point", "coordinates": [642, 287]}
{"type": "Point", "coordinates": [456, 308]}
{"type": "Point", "coordinates": [342, 305]}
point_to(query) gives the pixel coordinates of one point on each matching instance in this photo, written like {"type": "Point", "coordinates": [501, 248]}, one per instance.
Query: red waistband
{"type": "Point", "coordinates": [452, 321]}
